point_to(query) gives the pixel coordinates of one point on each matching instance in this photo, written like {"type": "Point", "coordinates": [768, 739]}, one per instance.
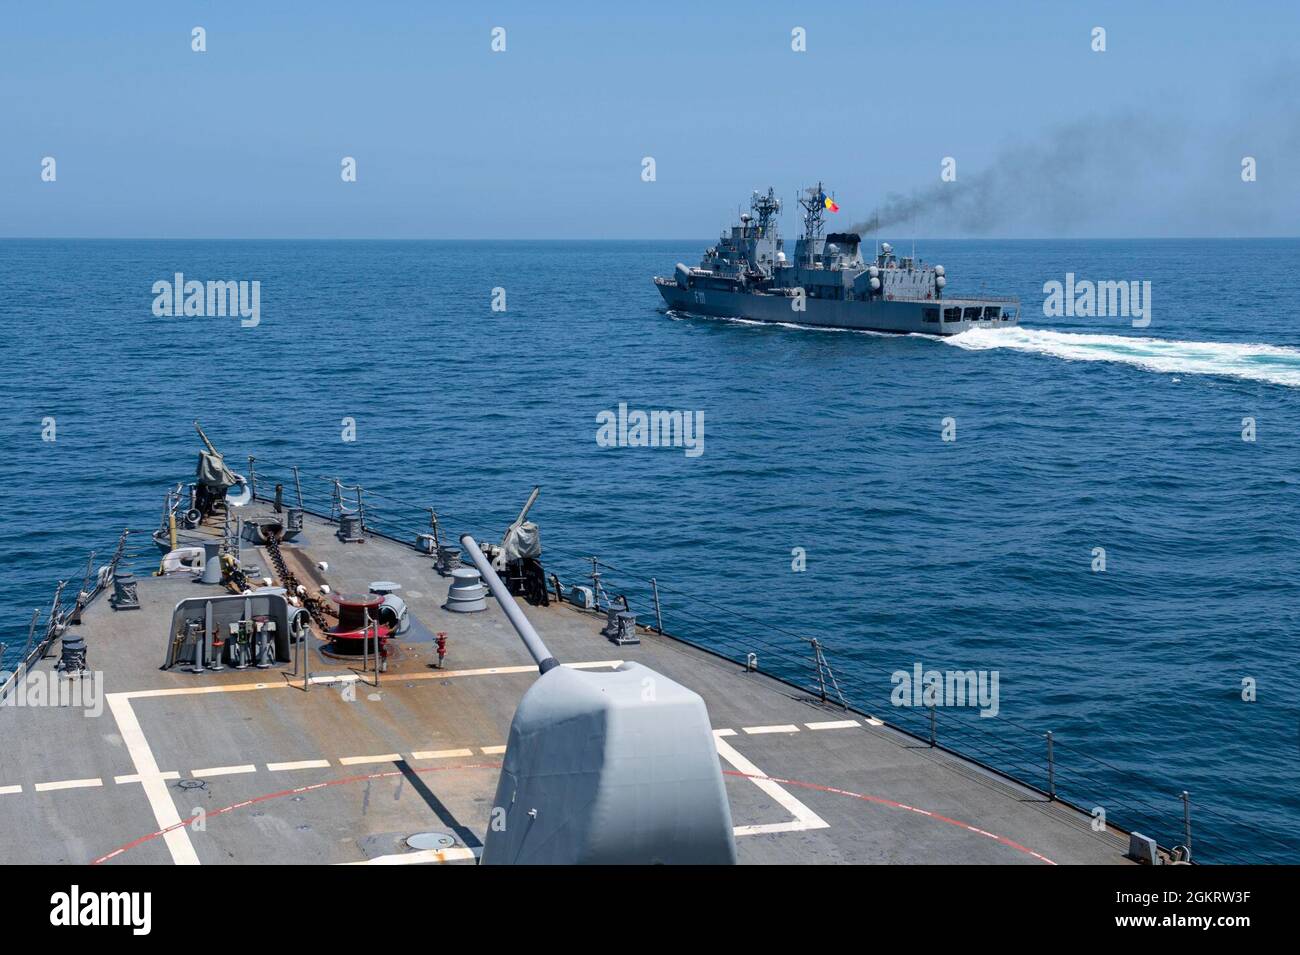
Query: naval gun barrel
{"type": "Point", "coordinates": [536, 648]}
{"type": "Point", "coordinates": [205, 438]}
{"type": "Point", "coordinates": [528, 506]}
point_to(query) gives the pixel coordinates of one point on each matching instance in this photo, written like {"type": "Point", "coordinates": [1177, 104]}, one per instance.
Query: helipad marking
{"type": "Point", "coordinates": [804, 818]}
{"type": "Point", "coordinates": [10, 790]}
{"type": "Point", "coordinates": [300, 764]}
{"type": "Point", "coordinates": [441, 753]}
{"type": "Point", "coordinates": [758, 730]}
{"type": "Point", "coordinates": [222, 771]}
{"type": "Point", "coordinates": [176, 837]}
{"type": "Point", "coordinates": [422, 857]}
{"type": "Point", "coordinates": [881, 801]}
{"type": "Point", "coordinates": [493, 750]}
{"type": "Point", "coordinates": [68, 784]}
{"type": "Point", "coordinates": [833, 725]}
{"type": "Point", "coordinates": [350, 678]}
{"type": "Point", "coordinates": [724, 732]}
{"type": "Point", "coordinates": [136, 777]}
{"type": "Point", "coordinates": [362, 760]}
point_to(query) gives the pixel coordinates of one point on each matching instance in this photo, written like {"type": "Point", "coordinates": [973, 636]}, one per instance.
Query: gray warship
{"type": "Point", "coordinates": [294, 675]}
{"type": "Point", "coordinates": [828, 283]}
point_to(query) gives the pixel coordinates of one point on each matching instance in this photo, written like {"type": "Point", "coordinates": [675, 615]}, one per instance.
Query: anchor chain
{"type": "Point", "coordinates": [312, 602]}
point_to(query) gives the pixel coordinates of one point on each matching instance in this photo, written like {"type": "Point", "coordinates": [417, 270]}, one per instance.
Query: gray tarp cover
{"type": "Point", "coordinates": [213, 472]}
{"type": "Point", "coordinates": [523, 540]}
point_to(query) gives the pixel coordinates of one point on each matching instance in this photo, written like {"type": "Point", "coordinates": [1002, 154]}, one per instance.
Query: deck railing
{"type": "Point", "coordinates": [59, 617]}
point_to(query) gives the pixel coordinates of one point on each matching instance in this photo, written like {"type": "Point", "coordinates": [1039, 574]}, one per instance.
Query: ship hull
{"type": "Point", "coordinates": [903, 318]}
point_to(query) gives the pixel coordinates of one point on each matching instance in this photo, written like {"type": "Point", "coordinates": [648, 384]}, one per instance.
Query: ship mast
{"type": "Point", "coordinates": [813, 202]}
{"type": "Point", "coordinates": [765, 208]}
{"type": "Point", "coordinates": [814, 208]}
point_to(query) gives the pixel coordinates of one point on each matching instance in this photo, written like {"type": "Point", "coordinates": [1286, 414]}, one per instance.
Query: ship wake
{"type": "Point", "coordinates": [1254, 362]}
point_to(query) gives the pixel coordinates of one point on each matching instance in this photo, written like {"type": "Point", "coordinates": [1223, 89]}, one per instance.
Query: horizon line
{"type": "Point", "coordinates": [291, 238]}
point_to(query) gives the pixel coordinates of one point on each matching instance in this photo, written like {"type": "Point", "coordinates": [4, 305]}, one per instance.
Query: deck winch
{"type": "Point", "coordinates": [359, 626]}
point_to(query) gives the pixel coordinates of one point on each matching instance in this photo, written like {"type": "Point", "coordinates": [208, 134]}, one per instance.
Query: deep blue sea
{"type": "Point", "coordinates": [977, 553]}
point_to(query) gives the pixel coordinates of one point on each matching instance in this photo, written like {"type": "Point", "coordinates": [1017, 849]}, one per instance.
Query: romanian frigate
{"type": "Point", "coordinates": [827, 283]}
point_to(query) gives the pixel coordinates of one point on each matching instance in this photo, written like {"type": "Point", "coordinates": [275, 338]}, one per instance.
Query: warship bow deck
{"type": "Point", "coordinates": [248, 767]}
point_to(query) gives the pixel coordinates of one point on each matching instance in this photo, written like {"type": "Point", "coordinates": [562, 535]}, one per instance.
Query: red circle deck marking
{"type": "Point", "coordinates": [297, 790]}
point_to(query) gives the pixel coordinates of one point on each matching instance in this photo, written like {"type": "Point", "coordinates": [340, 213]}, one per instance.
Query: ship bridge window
{"type": "Point", "coordinates": [973, 314]}
{"type": "Point", "coordinates": [993, 312]}
{"type": "Point", "coordinates": [929, 314]}
{"type": "Point", "coordinates": [952, 314]}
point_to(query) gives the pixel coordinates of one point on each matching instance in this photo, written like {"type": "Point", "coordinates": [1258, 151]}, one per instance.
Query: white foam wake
{"type": "Point", "coordinates": [1256, 362]}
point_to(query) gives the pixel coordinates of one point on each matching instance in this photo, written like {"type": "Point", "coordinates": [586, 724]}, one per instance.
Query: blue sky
{"type": "Point", "coordinates": [546, 139]}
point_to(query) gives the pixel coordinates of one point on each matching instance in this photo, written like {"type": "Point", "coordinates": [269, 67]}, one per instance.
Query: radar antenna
{"type": "Point", "coordinates": [766, 208]}
{"type": "Point", "coordinates": [814, 208]}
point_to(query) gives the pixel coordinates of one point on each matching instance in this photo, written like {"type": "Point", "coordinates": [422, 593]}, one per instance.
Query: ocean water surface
{"type": "Point", "coordinates": [978, 553]}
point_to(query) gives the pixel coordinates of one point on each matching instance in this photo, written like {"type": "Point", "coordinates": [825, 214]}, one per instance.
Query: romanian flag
{"type": "Point", "coordinates": [830, 204]}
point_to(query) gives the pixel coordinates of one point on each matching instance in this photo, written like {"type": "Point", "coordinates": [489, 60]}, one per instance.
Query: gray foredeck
{"type": "Point", "coordinates": [329, 776]}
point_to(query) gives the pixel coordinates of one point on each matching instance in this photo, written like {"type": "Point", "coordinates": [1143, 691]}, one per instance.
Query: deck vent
{"type": "Point", "coordinates": [426, 543]}
{"type": "Point", "coordinates": [211, 562]}
{"type": "Point", "coordinates": [466, 593]}
{"type": "Point", "coordinates": [582, 597]}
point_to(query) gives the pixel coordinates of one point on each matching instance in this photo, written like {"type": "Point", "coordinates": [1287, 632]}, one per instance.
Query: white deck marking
{"type": "Point", "coordinates": [872, 721]}
{"type": "Point", "coordinates": [493, 750]}
{"type": "Point", "coordinates": [724, 732]}
{"type": "Point", "coordinates": [395, 677]}
{"type": "Point", "coordinates": [804, 818]}
{"type": "Point", "coordinates": [422, 857]}
{"type": "Point", "coordinates": [758, 730]}
{"type": "Point", "coordinates": [68, 784]}
{"type": "Point", "coordinates": [222, 771]}
{"type": "Point", "coordinates": [833, 725]}
{"type": "Point", "coordinates": [300, 764]}
{"type": "Point", "coordinates": [441, 753]}
{"type": "Point", "coordinates": [362, 760]}
{"type": "Point", "coordinates": [10, 790]}
{"type": "Point", "coordinates": [136, 777]}
{"type": "Point", "coordinates": [155, 788]}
